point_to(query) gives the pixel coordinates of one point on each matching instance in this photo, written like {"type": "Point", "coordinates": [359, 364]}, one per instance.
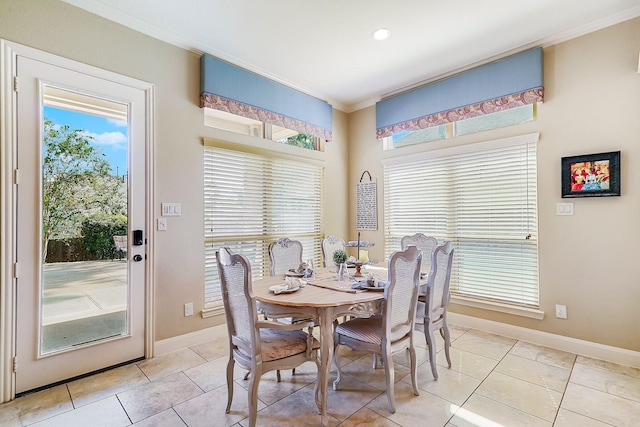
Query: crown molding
{"type": "Point", "coordinates": [107, 11]}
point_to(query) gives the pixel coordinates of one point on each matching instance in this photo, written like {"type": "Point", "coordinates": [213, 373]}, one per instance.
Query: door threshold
{"type": "Point", "coordinates": [88, 374]}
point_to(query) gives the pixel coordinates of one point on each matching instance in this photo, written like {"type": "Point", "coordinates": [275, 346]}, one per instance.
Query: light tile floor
{"type": "Point", "coordinates": [493, 381]}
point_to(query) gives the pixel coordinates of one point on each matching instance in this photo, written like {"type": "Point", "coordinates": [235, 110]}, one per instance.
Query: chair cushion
{"type": "Point", "coordinates": [278, 344]}
{"type": "Point", "coordinates": [363, 329]}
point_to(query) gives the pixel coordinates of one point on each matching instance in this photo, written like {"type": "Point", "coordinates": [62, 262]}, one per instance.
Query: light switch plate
{"type": "Point", "coordinates": [171, 209]}
{"type": "Point", "coordinates": [162, 224]}
{"type": "Point", "coordinates": [564, 208]}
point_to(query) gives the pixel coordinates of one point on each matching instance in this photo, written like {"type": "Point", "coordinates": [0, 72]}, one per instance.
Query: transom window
{"type": "Point", "coordinates": [245, 126]}
{"type": "Point", "coordinates": [495, 120]}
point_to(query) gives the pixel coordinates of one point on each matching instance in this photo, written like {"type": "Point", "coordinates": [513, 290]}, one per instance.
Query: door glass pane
{"type": "Point", "coordinates": [84, 293]}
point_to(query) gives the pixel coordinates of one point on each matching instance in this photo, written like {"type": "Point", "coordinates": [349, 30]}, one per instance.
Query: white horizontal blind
{"type": "Point", "coordinates": [251, 200]}
{"type": "Point", "coordinates": [484, 200]}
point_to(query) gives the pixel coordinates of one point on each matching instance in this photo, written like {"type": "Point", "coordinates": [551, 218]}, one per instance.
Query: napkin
{"type": "Point", "coordinates": [371, 282]}
{"type": "Point", "coordinates": [294, 282]}
{"type": "Point", "coordinates": [278, 289]}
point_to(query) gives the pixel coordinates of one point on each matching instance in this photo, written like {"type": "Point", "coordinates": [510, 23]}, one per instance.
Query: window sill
{"type": "Point", "coordinates": [500, 307]}
{"type": "Point", "coordinates": [212, 311]}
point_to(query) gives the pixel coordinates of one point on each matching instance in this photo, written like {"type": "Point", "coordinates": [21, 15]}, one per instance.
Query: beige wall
{"type": "Point", "coordinates": [58, 28]}
{"type": "Point", "coordinates": [589, 261]}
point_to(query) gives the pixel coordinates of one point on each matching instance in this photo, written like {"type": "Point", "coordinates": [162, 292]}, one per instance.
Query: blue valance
{"type": "Point", "coordinates": [508, 83]}
{"type": "Point", "coordinates": [226, 87]}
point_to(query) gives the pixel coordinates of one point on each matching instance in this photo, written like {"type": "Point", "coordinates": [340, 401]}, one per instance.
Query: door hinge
{"type": "Point", "coordinates": [15, 83]}
{"type": "Point", "coordinates": [16, 176]}
{"type": "Point", "coordinates": [15, 364]}
{"type": "Point", "coordinates": [15, 270]}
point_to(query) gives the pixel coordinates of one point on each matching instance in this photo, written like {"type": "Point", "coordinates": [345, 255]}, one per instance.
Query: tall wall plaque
{"type": "Point", "coordinates": [366, 206]}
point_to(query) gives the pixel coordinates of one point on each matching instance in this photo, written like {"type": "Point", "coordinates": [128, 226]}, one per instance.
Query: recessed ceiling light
{"type": "Point", "coordinates": [381, 34]}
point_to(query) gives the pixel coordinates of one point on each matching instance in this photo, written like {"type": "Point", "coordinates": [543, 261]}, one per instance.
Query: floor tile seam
{"type": "Point", "coordinates": [330, 384]}
{"type": "Point", "coordinates": [532, 383]}
{"type": "Point", "coordinates": [583, 415]}
{"type": "Point", "coordinates": [124, 409]}
{"type": "Point", "coordinates": [575, 360]}
{"type": "Point", "coordinates": [633, 402]}
{"type": "Point", "coordinates": [203, 361]}
{"type": "Point", "coordinates": [73, 408]}
{"type": "Point", "coordinates": [173, 408]}
{"type": "Point", "coordinates": [478, 354]}
{"type": "Point", "coordinates": [266, 405]}
{"type": "Point", "coordinates": [377, 412]}
{"type": "Point", "coordinates": [540, 362]}
{"type": "Point", "coordinates": [518, 409]}
{"type": "Point", "coordinates": [475, 390]}
{"type": "Point", "coordinates": [192, 380]}
{"type": "Point", "coordinates": [157, 380]}
{"type": "Point", "coordinates": [609, 371]}
{"type": "Point", "coordinates": [547, 389]}
{"type": "Point", "coordinates": [356, 411]}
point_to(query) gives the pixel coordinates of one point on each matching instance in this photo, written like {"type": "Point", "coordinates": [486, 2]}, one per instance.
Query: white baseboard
{"type": "Point", "coordinates": [571, 345]}
{"type": "Point", "coordinates": [559, 342]}
{"type": "Point", "coordinates": [187, 340]}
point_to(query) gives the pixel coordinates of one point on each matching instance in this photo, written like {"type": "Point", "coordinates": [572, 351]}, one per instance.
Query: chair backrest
{"type": "Point", "coordinates": [239, 301]}
{"type": "Point", "coordinates": [284, 254]}
{"type": "Point", "coordinates": [438, 294]}
{"type": "Point", "coordinates": [120, 242]}
{"type": "Point", "coordinates": [401, 293]}
{"type": "Point", "coordinates": [329, 246]}
{"type": "Point", "coordinates": [425, 243]}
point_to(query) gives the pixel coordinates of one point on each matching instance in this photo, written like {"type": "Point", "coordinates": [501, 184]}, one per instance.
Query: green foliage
{"type": "Point", "coordinates": [301, 140]}
{"type": "Point", "coordinates": [339, 256]}
{"type": "Point", "coordinates": [76, 183]}
{"type": "Point", "coordinates": [98, 232]}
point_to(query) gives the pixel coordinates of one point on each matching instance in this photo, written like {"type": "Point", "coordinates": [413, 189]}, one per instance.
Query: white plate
{"type": "Point", "coordinates": [372, 288]}
{"type": "Point", "coordinates": [293, 274]}
{"type": "Point", "coordinates": [275, 288]}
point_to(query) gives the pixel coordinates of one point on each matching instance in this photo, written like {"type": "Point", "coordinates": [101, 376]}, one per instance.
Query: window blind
{"type": "Point", "coordinates": [483, 199]}
{"type": "Point", "coordinates": [253, 199]}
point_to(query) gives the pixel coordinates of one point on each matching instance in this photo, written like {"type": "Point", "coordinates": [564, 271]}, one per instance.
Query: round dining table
{"type": "Point", "coordinates": [322, 299]}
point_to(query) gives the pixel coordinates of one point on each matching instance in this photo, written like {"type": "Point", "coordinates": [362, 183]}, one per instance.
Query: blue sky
{"type": "Point", "coordinates": [108, 134]}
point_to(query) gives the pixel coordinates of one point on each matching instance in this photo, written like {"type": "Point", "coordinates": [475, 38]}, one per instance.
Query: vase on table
{"type": "Point", "coordinates": [343, 273]}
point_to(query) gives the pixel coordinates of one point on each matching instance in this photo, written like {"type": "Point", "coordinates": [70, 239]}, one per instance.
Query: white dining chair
{"type": "Point", "coordinates": [284, 254]}
{"type": "Point", "coordinates": [329, 246]}
{"type": "Point", "coordinates": [423, 242]}
{"type": "Point", "coordinates": [431, 314]}
{"type": "Point", "coordinates": [391, 331]}
{"type": "Point", "coordinates": [257, 345]}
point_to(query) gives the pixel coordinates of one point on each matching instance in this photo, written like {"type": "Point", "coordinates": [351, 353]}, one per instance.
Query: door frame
{"type": "Point", "coordinates": [9, 51]}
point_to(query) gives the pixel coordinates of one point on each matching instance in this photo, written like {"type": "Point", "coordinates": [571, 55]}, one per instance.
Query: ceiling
{"type": "Point", "coordinates": [325, 48]}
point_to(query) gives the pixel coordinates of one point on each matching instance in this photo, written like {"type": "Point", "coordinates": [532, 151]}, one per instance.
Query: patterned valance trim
{"type": "Point", "coordinates": [227, 87]}
{"type": "Point", "coordinates": [492, 106]}
{"type": "Point", "coordinates": [238, 108]}
{"type": "Point", "coordinates": [506, 83]}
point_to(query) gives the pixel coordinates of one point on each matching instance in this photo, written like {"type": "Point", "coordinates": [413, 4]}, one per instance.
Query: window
{"type": "Point", "coordinates": [245, 126]}
{"type": "Point", "coordinates": [495, 120]}
{"type": "Point", "coordinates": [482, 198]}
{"type": "Point", "coordinates": [252, 198]}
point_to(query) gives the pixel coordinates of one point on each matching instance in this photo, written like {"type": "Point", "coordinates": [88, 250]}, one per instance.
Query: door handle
{"type": "Point", "coordinates": [137, 257]}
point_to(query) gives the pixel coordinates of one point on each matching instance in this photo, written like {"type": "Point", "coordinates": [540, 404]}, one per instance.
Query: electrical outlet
{"type": "Point", "coordinates": [162, 224]}
{"type": "Point", "coordinates": [188, 309]}
{"type": "Point", "coordinates": [561, 311]}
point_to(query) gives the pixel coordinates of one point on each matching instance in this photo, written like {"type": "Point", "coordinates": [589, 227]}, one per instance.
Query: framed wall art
{"type": "Point", "coordinates": [591, 175]}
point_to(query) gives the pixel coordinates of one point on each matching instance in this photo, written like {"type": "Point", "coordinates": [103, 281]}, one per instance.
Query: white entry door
{"type": "Point", "coordinates": [81, 186]}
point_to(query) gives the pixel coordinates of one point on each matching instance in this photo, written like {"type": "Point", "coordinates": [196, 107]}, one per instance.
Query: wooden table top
{"type": "Point", "coordinates": [314, 296]}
